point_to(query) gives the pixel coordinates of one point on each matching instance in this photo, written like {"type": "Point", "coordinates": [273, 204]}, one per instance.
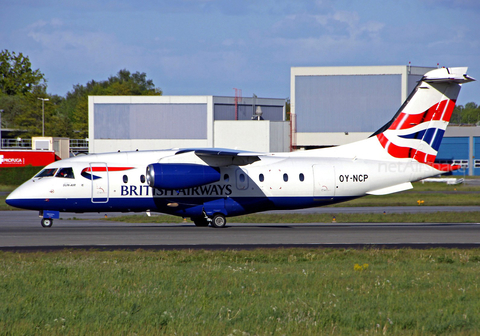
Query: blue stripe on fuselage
{"type": "Point", "coordinates": [187, 207]}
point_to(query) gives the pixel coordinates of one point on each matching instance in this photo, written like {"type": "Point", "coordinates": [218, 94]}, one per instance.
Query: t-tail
{"type": "Point", "coordinates": [417, 129]}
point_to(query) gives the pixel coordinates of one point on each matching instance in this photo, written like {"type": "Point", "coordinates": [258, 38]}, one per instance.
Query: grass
{"type": "Point", "coordinates": [436, 217]}
{"type": "Point", "coordinates": [432, 194]}
{"type": "Point", "coordinates": [260, 292]}
{"type": "Point", "coordinates": [412, 198]}
{"type": "Point", "coordinates": [7, 188]}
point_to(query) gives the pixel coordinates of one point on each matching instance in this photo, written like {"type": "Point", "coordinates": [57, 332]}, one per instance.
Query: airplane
{"type": "Point", "coordinates": [210, 184]}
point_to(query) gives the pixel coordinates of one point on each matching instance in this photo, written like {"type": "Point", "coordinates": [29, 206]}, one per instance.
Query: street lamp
{"type": "Point", "coordinates": [43, 114]}
{"type": "Point", "coordinates": [1, 111]}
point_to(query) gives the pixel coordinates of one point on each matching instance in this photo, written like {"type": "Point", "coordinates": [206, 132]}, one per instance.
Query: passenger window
{"type": "Point", "coordinates": [142, 178]}
{"type": "Point", "coordinates": [47, 172]}
{"type": "Point", "coordinates": [285, 177]}
{"type": "Point", "coordinates": [125, 179]}
{"type": "Point", "coordinates": [226, 177]}
{"type": "Point", "coordinates": [65, 173]}
{"type": "Point", "coordinates": [301, 177]}
{"type": "Point", "coordinates": [241, 179]}
{"type": "Point", "coordinates": [261, 177]}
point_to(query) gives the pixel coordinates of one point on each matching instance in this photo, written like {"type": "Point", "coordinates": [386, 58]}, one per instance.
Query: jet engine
{"type": "Point", "coordinates": [180, 175]}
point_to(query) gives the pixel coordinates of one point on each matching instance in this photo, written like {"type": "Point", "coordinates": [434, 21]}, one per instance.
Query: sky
{"type": "Point", "coordinates": [210, 47]}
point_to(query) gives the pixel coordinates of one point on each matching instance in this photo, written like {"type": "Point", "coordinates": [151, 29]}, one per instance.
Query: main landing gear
{"type": "Point", "coordinates": [218, 220]}
{"type": "Point", "coordinates": [200, 221]}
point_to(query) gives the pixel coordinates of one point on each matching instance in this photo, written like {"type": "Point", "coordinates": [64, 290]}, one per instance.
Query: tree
{"type": "Point", "coordinates": [456, 117]}
{"type": "Point", "coordinates": [20, 86]}
{"type": "Point", "coordinates": [16, 74]}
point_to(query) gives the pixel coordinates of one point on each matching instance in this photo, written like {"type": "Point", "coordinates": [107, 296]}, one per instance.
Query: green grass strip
{"type": "Point", "coordinates": [436, 217]}
{"type": "Point", "coordinates": [260, 292]}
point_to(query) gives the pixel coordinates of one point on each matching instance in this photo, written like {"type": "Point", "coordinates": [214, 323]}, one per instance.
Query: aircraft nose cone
{"type": "Point", "coordinates": [11, 199]}
{"type": "Point", "coordinates": [15, 199]}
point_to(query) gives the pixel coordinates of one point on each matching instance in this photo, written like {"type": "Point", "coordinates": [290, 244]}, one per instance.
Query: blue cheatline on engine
{"type": "Point", "coordinates": [180, 175]}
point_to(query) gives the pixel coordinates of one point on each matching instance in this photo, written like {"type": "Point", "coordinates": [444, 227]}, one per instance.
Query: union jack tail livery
{"type": "Point", "coordinates": [417, 129]}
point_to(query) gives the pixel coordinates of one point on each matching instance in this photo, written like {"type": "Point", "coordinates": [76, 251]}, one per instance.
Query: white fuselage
{"type": "Point", "coordinates": [276, 181]}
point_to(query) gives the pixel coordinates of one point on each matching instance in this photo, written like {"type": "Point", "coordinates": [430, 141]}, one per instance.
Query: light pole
{"type": "Point", "coordinates": [43, 114]}
{"type": "Point", "coordinates": [1, 111]}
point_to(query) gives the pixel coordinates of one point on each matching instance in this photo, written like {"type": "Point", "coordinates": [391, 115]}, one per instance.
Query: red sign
{"type": "Point", "coordinates": [20, 158]}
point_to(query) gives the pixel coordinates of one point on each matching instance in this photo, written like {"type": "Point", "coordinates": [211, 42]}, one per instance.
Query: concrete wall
{"type": "Point", "coordinates": [252, 135]}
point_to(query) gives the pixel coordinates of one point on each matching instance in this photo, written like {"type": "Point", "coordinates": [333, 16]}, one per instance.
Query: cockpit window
{"type": "Point", "coordinates": [65, 173]}
{"type": "Point", "coordinates": [47, 172]}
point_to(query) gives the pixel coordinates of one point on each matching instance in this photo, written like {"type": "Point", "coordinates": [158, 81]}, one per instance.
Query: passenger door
{"type": "Point", "coordinates": [324, 180]}
{"type": "Point", "coordinates": [100, 183]}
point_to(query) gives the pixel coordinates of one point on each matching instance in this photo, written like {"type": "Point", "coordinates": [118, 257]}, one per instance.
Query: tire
{"type": "Point", "coordinates": [47, 222]}
{"type": "Point", "coordinates": [200, 221]}
{"type": "Point", "coordinates": [219, 221]}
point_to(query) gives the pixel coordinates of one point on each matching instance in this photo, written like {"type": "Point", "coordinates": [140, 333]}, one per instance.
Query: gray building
{"type": "Point", "coordinates": [337, 105]}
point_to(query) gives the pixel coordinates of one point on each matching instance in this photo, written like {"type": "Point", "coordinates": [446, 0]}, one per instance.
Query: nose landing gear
{"type": "Point", "coordinates": [48, 216]}
{"type": "Point", "coordinates": [47, 222]}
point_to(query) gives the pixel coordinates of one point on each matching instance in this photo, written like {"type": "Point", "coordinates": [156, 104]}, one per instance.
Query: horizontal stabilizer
{"type": "Point", "coordinates": [392, 189]}
{"type": "Point", "coordinates": [445, 75]}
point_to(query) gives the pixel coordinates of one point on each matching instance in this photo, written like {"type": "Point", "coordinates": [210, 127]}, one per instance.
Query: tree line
{"type": "Point", "coordinates": [21, 87]}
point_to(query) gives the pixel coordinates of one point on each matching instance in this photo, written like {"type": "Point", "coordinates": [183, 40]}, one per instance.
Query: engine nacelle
{"type": "Point", "coordinates": [180, 175]}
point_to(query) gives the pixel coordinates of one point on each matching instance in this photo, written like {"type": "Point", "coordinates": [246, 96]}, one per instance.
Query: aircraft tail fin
{"type": "Point", "coordinates": [417, 129]}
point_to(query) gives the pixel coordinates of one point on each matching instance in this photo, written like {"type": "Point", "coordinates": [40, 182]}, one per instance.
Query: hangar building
{"type": "Point", "coordinates": [164, 122]}
{"type": "Point", "coordinates": [338, 105]}
{"type": "Point", "coordinates": [332, 106]}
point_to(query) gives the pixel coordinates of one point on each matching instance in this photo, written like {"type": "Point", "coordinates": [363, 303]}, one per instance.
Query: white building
{"type": "Point", "coordinates": [128, 123]}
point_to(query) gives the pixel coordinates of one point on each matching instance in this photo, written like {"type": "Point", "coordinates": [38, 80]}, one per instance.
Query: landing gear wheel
{"type": "Point", "coordinates": [200, 221]}
{"type": "Point", "coordinates": [47, 222]}
{"type": "Point", "coordinates": [219, 220]}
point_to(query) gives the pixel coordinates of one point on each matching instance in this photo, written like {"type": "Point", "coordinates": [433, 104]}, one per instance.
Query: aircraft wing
{"type": "Point", "coordinates": [217, 157]}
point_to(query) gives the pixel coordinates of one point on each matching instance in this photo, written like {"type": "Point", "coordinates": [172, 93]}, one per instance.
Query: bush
{"type": "Point", "coordinates": [17, 175]}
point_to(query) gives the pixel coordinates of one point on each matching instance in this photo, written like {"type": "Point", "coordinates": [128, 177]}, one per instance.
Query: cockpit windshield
{"type": "Point", "coordinates": [65, 173]}
{"type": "Point", "coordinates": [47, 172]}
